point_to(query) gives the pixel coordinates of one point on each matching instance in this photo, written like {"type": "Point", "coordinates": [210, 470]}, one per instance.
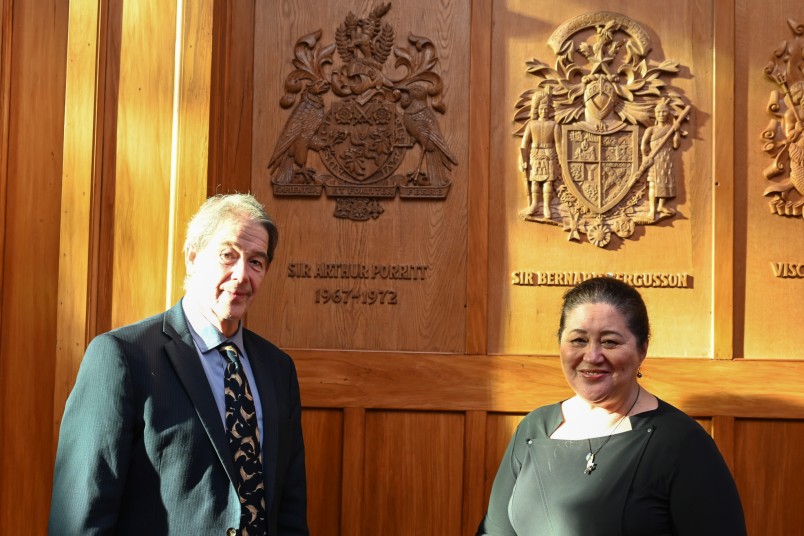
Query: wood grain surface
{"type": "Point", "coordinates": [111, 139]}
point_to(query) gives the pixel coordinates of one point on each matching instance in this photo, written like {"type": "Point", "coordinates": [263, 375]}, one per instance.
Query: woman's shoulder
{"type": "Point", "coordinates": [673, 421]}
{"type": "Point", "coordinates": [541, 421]}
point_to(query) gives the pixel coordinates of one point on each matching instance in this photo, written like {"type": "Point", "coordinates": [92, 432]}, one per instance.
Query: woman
{"type": "Point", "coordinates": [614, 459]}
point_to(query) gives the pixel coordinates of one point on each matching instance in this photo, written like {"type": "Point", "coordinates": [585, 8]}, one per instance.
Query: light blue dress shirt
{"type": "Point", "coordinates": [207, 338]}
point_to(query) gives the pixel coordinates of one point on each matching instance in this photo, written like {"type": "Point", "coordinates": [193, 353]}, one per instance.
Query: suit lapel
{"type": "Point", "coordinates": [184, 358]}
{"type": "Point", "coordinates": [264, 376]}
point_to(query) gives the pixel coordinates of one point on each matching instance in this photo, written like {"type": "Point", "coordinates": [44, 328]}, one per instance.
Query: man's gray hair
{"type": "Point", "coordinates": [224, 207]}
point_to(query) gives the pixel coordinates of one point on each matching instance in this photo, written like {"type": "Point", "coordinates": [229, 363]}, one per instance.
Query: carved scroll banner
{"type": "Point", "coordinates": [359, 151]}
{"type": "Point", "coordinates": [605, 171]}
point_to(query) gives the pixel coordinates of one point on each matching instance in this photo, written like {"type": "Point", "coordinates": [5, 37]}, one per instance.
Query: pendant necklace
{"type": "Point", "coordinates": [590, 458]}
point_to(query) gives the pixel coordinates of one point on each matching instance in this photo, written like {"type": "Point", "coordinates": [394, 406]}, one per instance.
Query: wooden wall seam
{"type": "Point", "coordinates": [477, 266]}
{"type": "Point", "coordinates": [231, 98]}
{"type": "Point", "coordinates": [723, 434]}
{"type": "Point", "coordinates": [474, 470]}
{"type": "Point", "coordinates": [354, 433]}
{"type": "Point", "coordinates": [192, 143]}
{"type": "Point", "coordinates": [73, 287]}
{"type": "Point", "coordinates": [723, 182]}
{"type": "Point", "coordinates": [6, 27]}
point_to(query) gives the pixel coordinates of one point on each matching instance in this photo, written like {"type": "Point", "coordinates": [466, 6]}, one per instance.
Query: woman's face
{"type": "Point", "coordinates": [599, 354]}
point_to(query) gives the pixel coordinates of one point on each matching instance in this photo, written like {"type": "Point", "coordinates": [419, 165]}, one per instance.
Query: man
{"type": "Point", "coordinates": [167, 432]}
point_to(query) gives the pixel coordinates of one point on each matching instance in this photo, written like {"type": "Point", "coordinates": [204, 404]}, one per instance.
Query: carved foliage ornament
{"type": "Point", "coordinates": [782, 140]}
{"type": "Point", "coordinates": [599, 130]}
{"type": "Point", "coordinates": [361, 117]}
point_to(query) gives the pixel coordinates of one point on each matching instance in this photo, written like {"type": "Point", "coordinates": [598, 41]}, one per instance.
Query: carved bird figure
{"type": "Point", "coordinates": [295, 140]}
{"type": "Point", "coordinates": [421, 124]}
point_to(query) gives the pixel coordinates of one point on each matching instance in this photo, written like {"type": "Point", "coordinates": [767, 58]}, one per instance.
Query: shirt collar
{"type": "Point", "coordinates": [206, 336]}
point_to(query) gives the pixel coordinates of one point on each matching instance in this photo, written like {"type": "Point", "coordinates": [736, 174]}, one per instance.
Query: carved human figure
{"type": "Point", "coordinates": [793, 127]}
{"type": "Point", "coordinates": [538, 158]}
{"type": "Point", "coordinates": [661, 181]}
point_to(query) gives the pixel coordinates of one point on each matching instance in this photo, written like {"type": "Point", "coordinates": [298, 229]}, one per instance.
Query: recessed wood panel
{"type": "Point", "coordinates": [143, 161]}
{"type": "Point", "coordinates": [397, 436]}
{"type": "Point", "coordinates": [500, 429]}
{"type": "Point", "coordinates": [323, 447]}
{"type": "Point", "coordinates": [34, 45]}
{"type": "Point", "coordinates": [413, 473]}
{"type": "Point", "coordinates": [474, 469]}
{"type": "Point", "coordinates": [769, 307]}
{"type": "Point", "coordinates": [423, 313]}
{"type": "Point", "coordinates": [524, 319]}
{"type": "Point", "coordinates": [766, 467]}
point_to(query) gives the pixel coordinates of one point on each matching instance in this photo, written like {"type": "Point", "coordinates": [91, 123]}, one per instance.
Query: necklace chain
{"type": "Point", "coordinates": [590, 458]}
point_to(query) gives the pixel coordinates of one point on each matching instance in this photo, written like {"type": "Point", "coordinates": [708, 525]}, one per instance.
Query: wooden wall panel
{"type": "Point", "coordinates": [354, 455]}
{"type": "Point", "coordinates": [413, 473]}
{"type": "Point", "coordinates": [6, 34]}
{"type": "Point", "coordinates": [500, 428]}
{"type": "Point", "coordinates": [477, 252]}
{"type": "Point", "coordinates": [766, 468]}
{"type": "Point", "coordinates": [33, 50]}
{"type": "Point", "coordinates": [409, 232]}
{"type": "Point", "coordinates": [407, 411]}
{"type": "Point", "coordinates": [723, 178]}
{"type": "Point", "coordinates": [740, 388]}
{"type": "Point", "coordinates": [474, 469]}
{"type": "Point", "coordinates": [190, 136]}
{"type": "Point", "coordinates": [142, 177]}
{"type": "Point", "coordinates": [523, 319]}
{"type": "Point", "coordinates": [232, 98]}
{"type": "Point", "coordinates": [768, 307]}
{"type": "Point", "coordinates": [323, 443]}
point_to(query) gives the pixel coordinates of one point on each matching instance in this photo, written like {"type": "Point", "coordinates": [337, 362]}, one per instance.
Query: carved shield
{"type": "Point", "coordinates": [598, 166]}
{"type": "Point", "coordinates": [362, 143]}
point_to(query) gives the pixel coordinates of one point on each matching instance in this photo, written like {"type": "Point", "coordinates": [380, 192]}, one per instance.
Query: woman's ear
{"type": "Point", "coordinates": [643, 352]}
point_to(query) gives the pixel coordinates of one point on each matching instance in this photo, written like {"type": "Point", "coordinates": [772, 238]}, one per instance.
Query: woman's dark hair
{"type": "Point", "coordinates": [623, 297]}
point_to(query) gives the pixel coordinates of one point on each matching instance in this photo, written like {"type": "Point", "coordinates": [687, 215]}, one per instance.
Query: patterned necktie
{"type": "Point", "coordinates": [244, 442]}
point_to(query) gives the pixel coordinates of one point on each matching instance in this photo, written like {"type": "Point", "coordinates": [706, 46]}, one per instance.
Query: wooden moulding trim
{"type": "Point", "coordinates": [474, 473]}
{"type": "Point", "coordinates": [78, 232]}
{"type": "Point", "coordinates": [517, 384]}
{"type": "Point", "coordinates": [6, 7]}
{"type": "Point", "coordinates": [354, 433]}
{"type": "Point", "coordinates": [723, 434]}
{"type": "Point", "coordinates": [723, 182]}
{"type": "Point", "coordinates": [478, 201]}
{"type": "Point", "coordinates": [231, 98]}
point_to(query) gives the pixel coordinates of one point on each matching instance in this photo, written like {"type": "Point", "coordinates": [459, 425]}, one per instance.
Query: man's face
{"type": "Point", "coordinates": [224, 276]}
{"type": "Point", "coordinates": [544, 109]}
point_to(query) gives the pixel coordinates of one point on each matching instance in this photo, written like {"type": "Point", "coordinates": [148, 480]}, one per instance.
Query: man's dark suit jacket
{"type": "Point", "coordinates": [142, 447]}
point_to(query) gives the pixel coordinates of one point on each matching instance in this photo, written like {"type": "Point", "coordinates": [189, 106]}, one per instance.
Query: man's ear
{"type": "Point", "coordinates": [189, 261]}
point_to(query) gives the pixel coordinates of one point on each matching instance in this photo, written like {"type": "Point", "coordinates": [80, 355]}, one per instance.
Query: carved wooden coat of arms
{"type": "Point", "coordinates": [782, 140]}
{"type": "Point", "coordinates": [599, 131]}
{"type": "Point", "coordinates": [375, 115]}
